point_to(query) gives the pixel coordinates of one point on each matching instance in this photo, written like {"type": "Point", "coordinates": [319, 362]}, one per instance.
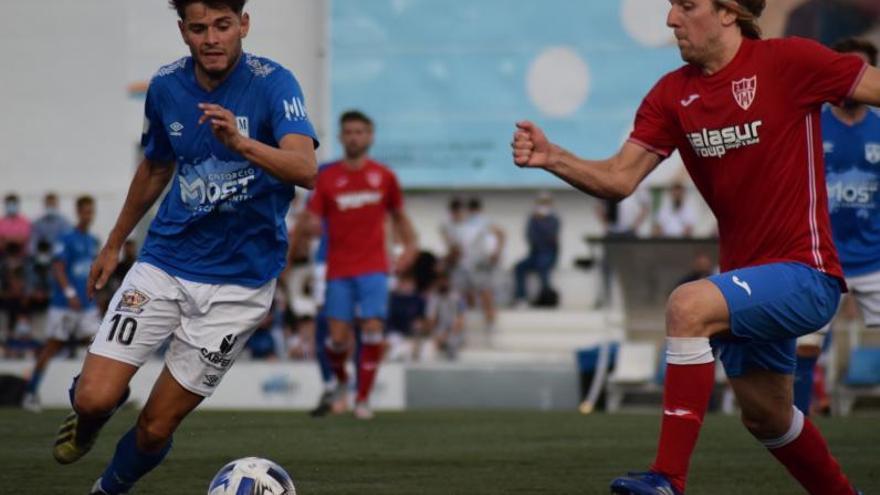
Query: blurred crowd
{"type": "Point", "coordinates": [27, 252]}
{"type": "Point", "coordinates": [428, 302]}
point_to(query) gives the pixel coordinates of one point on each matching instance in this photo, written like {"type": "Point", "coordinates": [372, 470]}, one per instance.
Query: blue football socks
{"type": "Point", "coordinates": [129, 464]}
{"type": "Point", "coordinates": [803, 383]}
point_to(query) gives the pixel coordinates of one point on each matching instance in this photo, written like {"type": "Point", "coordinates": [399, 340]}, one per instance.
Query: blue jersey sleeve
{"type": "Point", "coordinates": [154, 140]}
{"type": "Point", "coordinates": [288, 108]}
{"type": "Point", "coordinates": [60, 251]}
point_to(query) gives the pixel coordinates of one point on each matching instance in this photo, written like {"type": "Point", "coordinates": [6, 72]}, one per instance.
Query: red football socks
{"type": "Point", "coordinates": [337, 357]}
{"type": "Point", "coordinates": [371, 355]}
{"type": "Point", "coordinates": [810, 462]}
{"type": "Point", "coordinates": [685, 400]}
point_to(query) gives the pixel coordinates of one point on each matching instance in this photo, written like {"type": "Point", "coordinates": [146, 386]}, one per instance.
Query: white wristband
{"type": "Point", "coordinates": [69, 292]}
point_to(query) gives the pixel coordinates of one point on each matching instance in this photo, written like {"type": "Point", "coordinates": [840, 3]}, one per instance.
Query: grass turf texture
{"type": "Point", "coordinates": [427, 453]}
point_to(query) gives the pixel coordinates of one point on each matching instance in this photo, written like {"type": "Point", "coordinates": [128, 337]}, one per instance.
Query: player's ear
{"type": "Point", "coordinates": [245, 24]}
{"type": "Point", "coordinates": [182, 28]}
{"type": "Point", "coordinates": [728, 16]}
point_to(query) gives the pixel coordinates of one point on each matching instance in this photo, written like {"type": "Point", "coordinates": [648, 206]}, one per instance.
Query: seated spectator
{"type": "Point", "coordinates": [444, 318]}
{"type": "Point", "coordinates": [478, 244]}
{"type": "Point", "coordinates": [14, 227]}
{"type": "Point", "coordinates": [406, 313]}
{"type": "Point", "coordinates": [677, 216]}
{"type": "Point", "coordinates": [701, 268]}
{"type": "Point", "coordinates": [542, 235]}
{"type": "Point", "coordinates": [14, 301]}
{"type": "Point", "coordinates": [39, 277]}
{"type": "Point", "coordinates": [50, 226]}
{"type": "Point", "coordinates": [624, 219]}
{"type": "Point", "coordinates": [449, 230]}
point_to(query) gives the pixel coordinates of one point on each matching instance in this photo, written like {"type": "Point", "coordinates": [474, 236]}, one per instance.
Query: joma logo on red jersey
{"type": "Point", "coordinates": [358, 199]}
{"type": "Point", "coordinates": [717, 142]}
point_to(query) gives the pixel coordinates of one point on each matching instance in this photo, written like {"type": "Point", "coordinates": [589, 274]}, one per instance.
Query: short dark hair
{"type": "Point", "coordinates": [180, 6]}
{"type": "Point", "coordinates": [354, 116]}
{"type": "Point", "coordinates": [11, 197]}
{"type": "Point", "coordinates": [475, 204]}
{"type": "Point", "coordinates": [748, 12]}
{"type": "Point", "coordinates": [84, 200]}
{"type": "Point", "coordinates": [455, 204]}
{"type": "Point", "coordinates": [857, 45]}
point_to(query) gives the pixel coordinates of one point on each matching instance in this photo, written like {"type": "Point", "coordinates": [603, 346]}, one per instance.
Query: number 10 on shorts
{"type": "Point", "coordinates": [125, 330]}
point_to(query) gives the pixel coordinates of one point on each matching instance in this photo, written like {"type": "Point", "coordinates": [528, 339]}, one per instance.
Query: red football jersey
{"type": "Point", "coordinates": [353, 205]}
{"type": "Point", "coordinates": [750, 137]}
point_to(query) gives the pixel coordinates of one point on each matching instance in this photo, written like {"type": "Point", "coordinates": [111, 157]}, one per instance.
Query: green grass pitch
{"type": "Point", "coordinates": [424, 452]}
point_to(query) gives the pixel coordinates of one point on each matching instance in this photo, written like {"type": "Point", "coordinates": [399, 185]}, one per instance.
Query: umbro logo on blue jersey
{"type": "Point", "coordinates": [295, 109]}
{"type": "Point", "coordinates": [828, 146]}
{"type": "Point", "coordinates": [176, 127]}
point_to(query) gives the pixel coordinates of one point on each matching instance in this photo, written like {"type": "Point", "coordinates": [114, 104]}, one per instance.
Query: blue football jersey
{"type": "Point", "coordinates": [223, 219]}
{"type": "Point", "coordinates": [852, 172]}
{"type": "Point", "coordinates": [77, 250]}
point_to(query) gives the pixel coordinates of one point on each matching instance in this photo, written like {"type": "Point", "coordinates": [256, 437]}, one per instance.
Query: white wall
{"type": "Point", "coordinates": [67, 122]}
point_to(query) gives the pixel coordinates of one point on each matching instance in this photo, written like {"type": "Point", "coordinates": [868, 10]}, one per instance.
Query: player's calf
{"type": "Point", "coordinates": [79, 430]}
{"type": "Point", "coordinates": [805, 454]}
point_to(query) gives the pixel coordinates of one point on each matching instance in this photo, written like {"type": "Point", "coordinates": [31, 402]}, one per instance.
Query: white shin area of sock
{"type": "Point", "coordinates": [794, 431]}
{"type": "Point", "coordinates": [372, 338]}
{"type": "Point", "coordinates": [688, 350]}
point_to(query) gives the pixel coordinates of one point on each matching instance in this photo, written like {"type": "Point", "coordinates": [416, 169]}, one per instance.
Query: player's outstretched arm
{"type": "Point", "coordinates": [294, 160]}
{"type": "Point", "coordinates": [59, 272]}
{"type": "Point", "coordinates": [613, 178]}
{"type": "Point", "coordinates": [404, 231]}
{"type": "Point", "coordinates": [868, 89]}
{"type": "Point", "coordinates": [147, 185]}
{"type": "Point", "coordinates": [306, 227]}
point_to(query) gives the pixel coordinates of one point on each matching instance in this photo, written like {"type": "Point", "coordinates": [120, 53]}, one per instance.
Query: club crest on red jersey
{"type": "Point", "coordinates": [744, 91]}
{"type": "Point", "coordinates": [374, 179]}
{"type": "Point", "coordinates": [872, 153]}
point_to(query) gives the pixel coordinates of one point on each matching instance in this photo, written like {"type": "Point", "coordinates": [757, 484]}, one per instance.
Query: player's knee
{"type": "Point", "coordinates": [373, 325]}
{"type": "Point", "coordinates": [153, 433]}
{"type": "Point", "coordinates": [764, 424]}
{"type": "Point", "coordinates": [684, 313]}
{"type": "Point", "coordinates": [93, 402]}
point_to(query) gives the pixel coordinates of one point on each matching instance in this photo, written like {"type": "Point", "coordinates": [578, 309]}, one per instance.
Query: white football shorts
{"type": "Point", "coordinates": [65, 324]}
{"type": "Point", "coordinates": [866, 289]}
{"type": "Point", "coordinates": [209, 324]}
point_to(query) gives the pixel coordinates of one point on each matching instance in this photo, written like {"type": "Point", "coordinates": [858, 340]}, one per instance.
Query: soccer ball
{"type": "Point", "coordinates": [252, 476]}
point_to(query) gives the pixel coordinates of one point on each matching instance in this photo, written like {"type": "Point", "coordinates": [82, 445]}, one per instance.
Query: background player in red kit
{"type": "Point", "coordinates": [744, 114]}
{"type": "Point", "coordinates": [353, 196]}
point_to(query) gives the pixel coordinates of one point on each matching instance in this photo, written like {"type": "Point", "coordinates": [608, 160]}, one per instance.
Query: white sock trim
{"type": "Point", "coordinates": [333, 346]}
{"type": "Point", "coordinates": [688, 350]}
{"type": "Point", "coordinates": [794, 431]}
{"type": "Point", "coordinates": [372, 338]}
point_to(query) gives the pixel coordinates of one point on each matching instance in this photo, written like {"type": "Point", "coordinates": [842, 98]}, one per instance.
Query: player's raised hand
{"type": "Point", "coordinates": [222, 124]}
{"type": "Point", "coordinates": [530, 146]}
{"type": "Point", "coordinates": [103, 266]}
